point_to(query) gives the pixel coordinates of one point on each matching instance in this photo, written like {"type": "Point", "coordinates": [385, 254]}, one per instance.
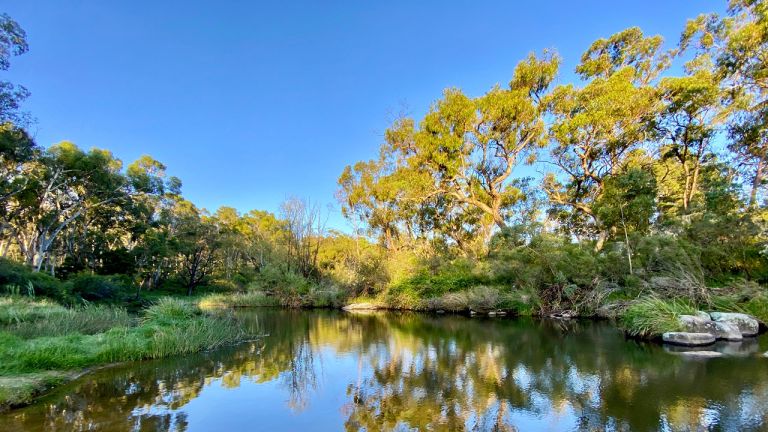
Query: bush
{"type": "Point", "coordinates": [483, 299]}
{"type": "Point", "coordinates": [16, 278]}
{"type": "Point", "coordinates": [90, 287]}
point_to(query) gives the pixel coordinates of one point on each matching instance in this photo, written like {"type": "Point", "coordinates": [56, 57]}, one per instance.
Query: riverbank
{"type": "Point", "coordinates": [43, 344]}
{"type": "Point", "coordinates": [644, 317]}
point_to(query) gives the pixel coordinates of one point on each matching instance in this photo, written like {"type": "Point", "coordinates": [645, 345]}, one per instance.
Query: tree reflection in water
{"type": "Point", "coordinates": [401, 371]}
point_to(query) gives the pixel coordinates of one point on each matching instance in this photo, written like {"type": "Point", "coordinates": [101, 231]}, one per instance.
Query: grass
{"type": "Point", "coordinates": [250, 299]}
{"type": "Point", "coordinates": [59, 321]}
{"type": "Point", "coordinates": [19, 390]}
{"type": "Point", "coordinates": [652, 316]}
{"type": "Point", "coordinates": [31, 359]}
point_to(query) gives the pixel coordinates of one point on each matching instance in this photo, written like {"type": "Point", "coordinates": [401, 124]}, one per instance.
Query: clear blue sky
{"type": "Point", "coordinates": [252, 102]}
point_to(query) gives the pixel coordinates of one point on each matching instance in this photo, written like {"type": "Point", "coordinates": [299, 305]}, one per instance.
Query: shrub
{"type": "Point", "coordinates": [20, 276]}
{"type": "Point", "coordinates": [90, 287]}
{"type": "Point", "coordinates": [483, 299]}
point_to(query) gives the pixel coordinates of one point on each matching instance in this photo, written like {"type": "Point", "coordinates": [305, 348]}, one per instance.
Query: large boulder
{"type": "Point", "coordinates": [688, 338]}
{"type": "Point", "coordinates": [697, 324]}
{"type": "Point", "coordinates": [747, 325]}
{"type": "Point", "coordinates": [727, 331]}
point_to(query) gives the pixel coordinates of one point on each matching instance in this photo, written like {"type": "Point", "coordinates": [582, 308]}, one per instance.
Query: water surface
{"type": "Point", "coordinates": [327, 370]}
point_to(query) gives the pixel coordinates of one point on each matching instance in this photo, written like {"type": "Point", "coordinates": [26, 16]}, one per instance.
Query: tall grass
{"type": "Point", "coordinates": [169, 327]}
{"type": "Point", "coordinates": [249, 299]}
{"type": "Point", "coordinates": [84, 320]}
{"type": "Point", "coordinates": [652, 316]}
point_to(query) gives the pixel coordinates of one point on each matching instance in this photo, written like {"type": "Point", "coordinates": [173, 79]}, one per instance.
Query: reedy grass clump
{"type": "Point", "coordinates": [652, 316]}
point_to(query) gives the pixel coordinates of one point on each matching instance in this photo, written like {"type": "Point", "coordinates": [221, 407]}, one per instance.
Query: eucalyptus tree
{"type": "Point", "coordinates": [452, 175]}
{"type": "Point", "coordinates": [597, 126]}
{"type": "Point", "coordinates": [470, 147]}
{"type": "Point", "coordinates": [13, 42]}
{"type": "Point", "coordinates": [149, 239]}
{"type": "Point", "coordinates": [694, 109]}
{"type": "Point", "coordinates": [197, 242]}
{"type": "Point", "coordinates": [64, 183]}
{"type": "Point", "coordinates": [304, 230]}
{"type": "Point", "coordinates": [738, 46]}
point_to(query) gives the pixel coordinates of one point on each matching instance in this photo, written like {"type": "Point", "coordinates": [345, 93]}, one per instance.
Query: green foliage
{"type": "Point", "coordinates": [248, 299]}
{"type": "Point", "coordinates": [17, 278]}
{"type": "Point", "coordinates": [170, 310]}
{"type": "Point", "coordinates": [90, 287]}
{"type": "Point", "coordinates": [101, 334]}
{"type": "Point", "coordinates": [652, 316]}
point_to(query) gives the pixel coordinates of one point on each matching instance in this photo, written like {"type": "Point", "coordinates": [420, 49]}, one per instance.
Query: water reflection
{"type": "Point", "coordinates": [331, 371]}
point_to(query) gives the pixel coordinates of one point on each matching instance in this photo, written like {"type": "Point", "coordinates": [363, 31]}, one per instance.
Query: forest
{"type": "Point", "coordinates": [641, 183]}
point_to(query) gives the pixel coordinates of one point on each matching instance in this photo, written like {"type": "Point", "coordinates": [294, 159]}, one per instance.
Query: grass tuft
{"type": "Point", "coordinates": [652, 316]}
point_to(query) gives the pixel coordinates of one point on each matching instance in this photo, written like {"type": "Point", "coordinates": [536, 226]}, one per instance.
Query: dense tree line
{"type": "Point", "coordinates": [636, 162]}
{"type": "Point", "coordinates": [644, 173]}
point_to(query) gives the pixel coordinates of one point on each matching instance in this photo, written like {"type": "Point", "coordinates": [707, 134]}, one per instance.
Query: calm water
{"type": "Point", "coordinates": [334, 371]}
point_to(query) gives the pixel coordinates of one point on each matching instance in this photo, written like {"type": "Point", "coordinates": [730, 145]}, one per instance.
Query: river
{"type": "Point", "coordinates": [329, 370]}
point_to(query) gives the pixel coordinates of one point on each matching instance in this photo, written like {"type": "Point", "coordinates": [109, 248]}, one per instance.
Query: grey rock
{"type": "Point", "coordinates": [688, 338]}
{"type": "Point", "coordinates": [701, 354]}
{"type": "Point", "coordinates": [765, 354]}
{"type": "Point", "coordinates": [703, 315]}
{"type": "Point", "coordinates": [747, 324]}
{"type": "Point", "coordinates": [697, 324]}
{"type": "Point", "coordinates": [727, 331]}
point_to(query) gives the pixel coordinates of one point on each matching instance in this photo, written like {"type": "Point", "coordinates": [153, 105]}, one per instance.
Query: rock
{"type": "Point", "coordinates": [701, 354]}
{"type": "Point", "coordinates": [491, 314]}
{"type": "Point", "coordinates": [697, 324]}
{"type": "Point", "coordinates": [765, 354]}
{"type": "Point", "coordinates": [361, 307]}
{"type": "Point", "coordinates": [748, 325]}
{"type": "Point", "coordinates": [688, 339]}
{"type": "Point", "coordinates": [703, 315]}
{"type": "Point", "coordinates": [440, 311]}
{"type": "Point", "coordinates": [727, 331]}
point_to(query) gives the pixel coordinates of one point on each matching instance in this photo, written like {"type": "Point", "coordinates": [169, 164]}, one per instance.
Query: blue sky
{"type": "Point", "coordinates": [253, 102]}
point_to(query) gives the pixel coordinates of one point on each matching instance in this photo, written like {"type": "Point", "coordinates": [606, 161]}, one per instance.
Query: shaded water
{"type": "Point", "coordinates": [327, 370]}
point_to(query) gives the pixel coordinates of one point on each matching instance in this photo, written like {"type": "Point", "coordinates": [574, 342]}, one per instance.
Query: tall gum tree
{"type": "Point", "coordinates": [595, 127]}
{"type": "Point", "coordinates": [469, 148]}
{"type": "Point", "coordinates": [738, 46]}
